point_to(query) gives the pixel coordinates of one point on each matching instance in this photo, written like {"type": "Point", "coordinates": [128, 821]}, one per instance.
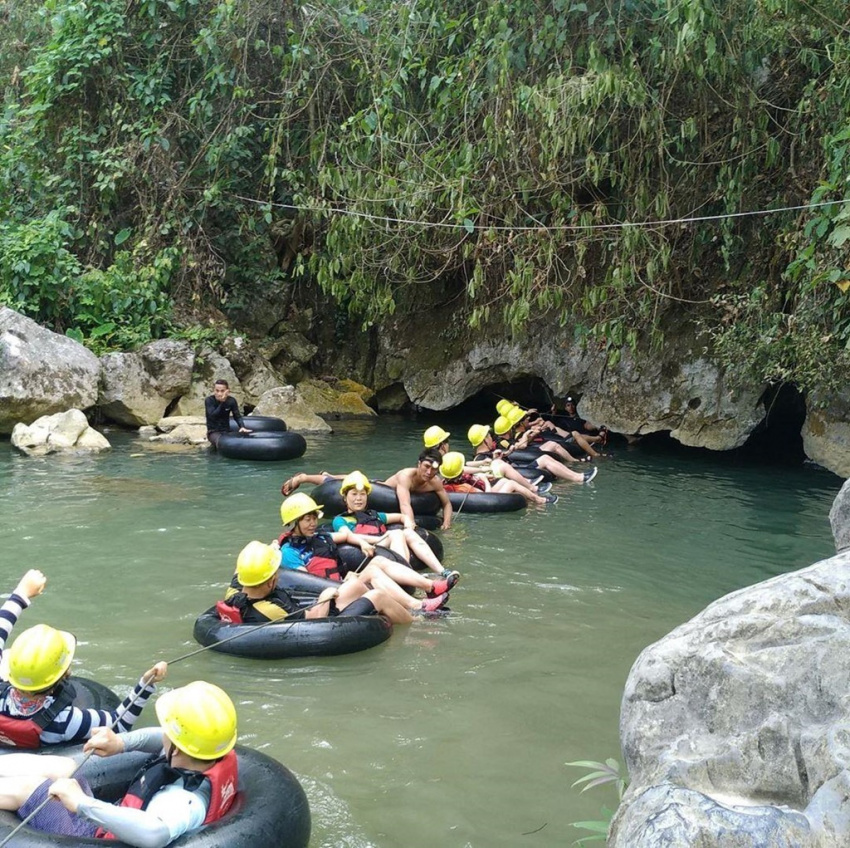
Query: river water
{"type": "Point", "coordinates": [456, 732]}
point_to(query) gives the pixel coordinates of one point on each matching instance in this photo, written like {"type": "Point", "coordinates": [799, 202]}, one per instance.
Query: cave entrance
{"type": "Point", "coordinates": [778, 438]}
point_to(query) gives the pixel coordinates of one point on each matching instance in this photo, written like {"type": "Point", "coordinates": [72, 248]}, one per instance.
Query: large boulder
{"type": "Point", "coordinates": [62, 432]}
{"type": "Point", "coordinates": [826, 432]}
{"type": "Point", "coordinates": [735, 727]}
{"type": "Point", "coordinates": [342, 399]}
{"type": "Point", "coordinates": [41, 372]}
{"type": "Point", "coordinates": [209, 367]}
{"type": "Point", "coordinates": [839, 518]}
{"type": "Point", "coordinates": [285, 402]}
{"type": "Point", "coordinates": [137, 387]}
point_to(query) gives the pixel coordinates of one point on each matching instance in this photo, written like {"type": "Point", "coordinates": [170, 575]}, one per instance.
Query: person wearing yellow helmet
{"type": "Point", "coordinates": [190, 779]}
{"type": "Point", "coordinates": [36, 703]}
{"type": "Point", "coordinates": [402, 541]}
{"type": "Point", "coordinates": [421, 478]}
{"type": "Point", "coordinates": [306, 546]}
{"type": "Point", "coordinates": [254, 596]}
{"type": "Point", "coordinates": [487, 460]}
{"type": "Point", "coordinates": [436, 438]}
{"type": "Point", "coordinates": [512, 438]}
{"type": "Point", "coordinates": [458, 478]}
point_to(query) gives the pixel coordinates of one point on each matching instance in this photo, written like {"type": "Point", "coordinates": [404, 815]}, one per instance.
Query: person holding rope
{"type": "Point", "coordinates": [458, 478]}
{"type": "Point", "coordinates": [363, 521]}
{"type": "Point", "coordinates": [189, 781]}
{"type": "Point", "coordinates": [254, 596]}
{"type": "Point", "coordinates": [506, 445]}
{"type": "Point", "coordinates": [306, 546]}
{"type": "Point", "coordinates": [36, 703]}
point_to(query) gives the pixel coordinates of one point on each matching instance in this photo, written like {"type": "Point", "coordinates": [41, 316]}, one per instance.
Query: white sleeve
{"type": "Point", "coordinates": [172, 812]}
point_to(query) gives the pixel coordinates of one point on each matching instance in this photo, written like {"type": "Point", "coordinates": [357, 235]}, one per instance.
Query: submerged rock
{"type": "Point", "coordinates": [41, 372]}
{"type": "Point", "coordinates": [735, 726]}
{"type": "Point", "coordinates": [61, 432]}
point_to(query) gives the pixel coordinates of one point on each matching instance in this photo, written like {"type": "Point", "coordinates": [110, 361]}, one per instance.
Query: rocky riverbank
{"type": "Point", "coordinates": [679, 391]}
{"type": "Point", "coordinates": [735, 727]}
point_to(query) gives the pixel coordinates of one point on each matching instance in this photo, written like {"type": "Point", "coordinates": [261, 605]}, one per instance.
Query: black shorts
{"type": "Point", "coordinates": [362, 606]}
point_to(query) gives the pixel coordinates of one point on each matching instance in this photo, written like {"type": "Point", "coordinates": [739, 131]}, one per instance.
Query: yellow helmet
{"type": "Point", "coordinates": [504, 406]}
{"type": "Point", "coordinates": [297, 506]}
{"type": "Point", "coordinates": [257, 562]}
{"type": "Point", "coordinates": [199, 719]}
{"type": "Point", "coordinates": [39, 657]}
{"type": "Point", "coordinates": [452, 465]}
{"type": "Point", "coordinates": [356, 480]}
{"type": "Point", "coordinates": [501, 426]}
{"type": "Point", "coordinates": [477, 433]}
{"type": "Point", "coordinates": [516, 415]}
{"type": "Point", "coordinates": [434, 436]}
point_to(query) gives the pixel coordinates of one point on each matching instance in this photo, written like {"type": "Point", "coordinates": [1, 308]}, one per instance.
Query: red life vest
{"type": "Point", "coordinates": [223, 778]}
{"type": "Point", "coordinates": [465, 482]}
{"type": "Point", "coordinates": [23, 732]}
{"type": "Point", "coordinates": [368, 523]}
{"type": "Point", "coordinates": [324, 556]}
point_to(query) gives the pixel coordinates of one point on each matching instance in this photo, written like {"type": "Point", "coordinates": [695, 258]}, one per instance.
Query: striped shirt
{"type": "Point", "coordinates": [72, 724]}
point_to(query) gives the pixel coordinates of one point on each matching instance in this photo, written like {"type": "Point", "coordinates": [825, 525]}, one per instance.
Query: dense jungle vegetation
{"type": "Point", "coordinates": [522, 158]}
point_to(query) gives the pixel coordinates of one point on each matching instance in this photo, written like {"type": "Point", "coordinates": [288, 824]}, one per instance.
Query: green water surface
{"type": "Point", "coordinates": [455, 732]}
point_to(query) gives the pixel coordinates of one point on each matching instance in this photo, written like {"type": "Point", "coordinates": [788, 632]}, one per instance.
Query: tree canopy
{"type": "Point", "coordinates": [596, 161]}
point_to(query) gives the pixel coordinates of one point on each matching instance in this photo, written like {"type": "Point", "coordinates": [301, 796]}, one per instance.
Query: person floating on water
{"type": "Point", "coordinates": [189, 781]}
{"type": "Point", "coordinates": [254, 596]}
{"type": "Point", "coordinates": [307, 546]}
{"type": "Point", "coordinates": [219, 406]}
{"type": "Point", "coordinates": [458, 478]}
{"type": "Point", "coordinates": [504, 447]}
{"type": "Point", "coordinates": [36, 703]}
{"type": "Point", "coordinates": [421, 478]}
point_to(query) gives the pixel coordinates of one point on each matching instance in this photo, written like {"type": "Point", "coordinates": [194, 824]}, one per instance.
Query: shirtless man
{"type": "Point", "coordinates": [421, 478]}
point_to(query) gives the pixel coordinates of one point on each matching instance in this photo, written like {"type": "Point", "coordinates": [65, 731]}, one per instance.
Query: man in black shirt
{"type": "Point", "coordinates": [219, 406]}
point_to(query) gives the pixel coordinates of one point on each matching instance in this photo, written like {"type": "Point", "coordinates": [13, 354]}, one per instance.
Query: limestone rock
{"type": "Point", "coordinates": [209, 367]}
{"type": "Point", "coordinates": [137, 387]}
{"type": "Point", "coordinates": [826, 432]}
{"type": "Point", "coordinates": [61, 432]}
{"type": "Point", "coordinates": [392, 398]}
{"type": "Point", "coordinates": [187, 433]}
{"type": "Point", "coordinates": [41, 372]}
{"type": "Point", "coordinates": [335, 402]}
{"type": "Point", "coordinates": [735, 726]}
{"type": "Point", "coordinates": [286, 403]}
{"type": "Point", "coordinates": [839, 518]}
{"type": "Point", "coordinates": [166, 425]}
{"type": "Point", "coordinates": [681, 391]}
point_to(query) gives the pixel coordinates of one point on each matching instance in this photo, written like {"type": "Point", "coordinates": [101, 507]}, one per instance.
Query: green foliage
{"type": "Point", "coordinates": [600, 774]}
{"type": "Point", "coordinates": [501, 158]}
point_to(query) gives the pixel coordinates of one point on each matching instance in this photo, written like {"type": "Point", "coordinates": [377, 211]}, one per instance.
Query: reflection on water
{"type": "Point", "coordinates": [456, 731]}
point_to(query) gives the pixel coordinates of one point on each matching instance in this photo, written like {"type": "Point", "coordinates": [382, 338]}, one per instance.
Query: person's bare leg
{"type": "Point", "coordinates": [509, 472]}
{"type": "Point", "coordinates": [558, 469]}
{"type": "Point", "coordinates": [422, 550]}
{"type": "Point", "coordinates": [509, 487]}
{"type": "Point", "coordinates": [402, 574]}
{"type": "Point", "coordinates": [385, 605]}
{"type": "Point", "coordinates": [583, 443]}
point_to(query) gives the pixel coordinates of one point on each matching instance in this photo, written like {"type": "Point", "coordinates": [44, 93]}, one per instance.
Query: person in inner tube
{"type": "Point", "coordinates": [254, 597]}
{"type": "Point", "coordinates": [421, 478]}
{"type": "Point", "coordinates": [219, 406]}
{"type": "Point", "coordinates": [37, 703]}
{"type": "Point", "coordinates": [190, 779]}
{"type": "Point", "coordinates": [570, 423]}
